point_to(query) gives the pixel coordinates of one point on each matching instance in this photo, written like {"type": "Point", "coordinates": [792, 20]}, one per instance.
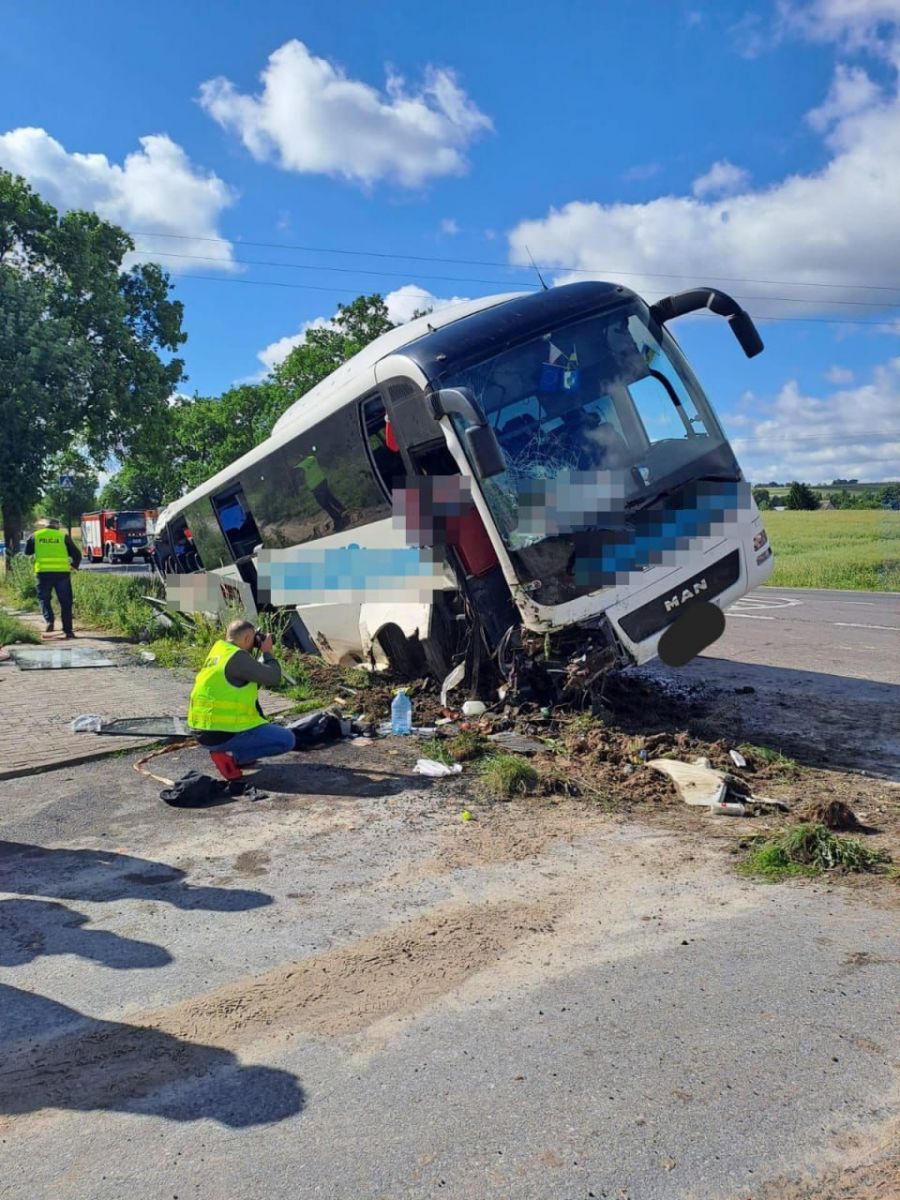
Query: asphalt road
{"type": "Point", "coordinates": [854, 634]}
{"type": "Point", "coordinates": [344, 991]}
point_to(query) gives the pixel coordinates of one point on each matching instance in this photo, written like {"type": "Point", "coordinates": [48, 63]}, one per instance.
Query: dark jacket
{"type": "Point", "coordinates": [71, 549]}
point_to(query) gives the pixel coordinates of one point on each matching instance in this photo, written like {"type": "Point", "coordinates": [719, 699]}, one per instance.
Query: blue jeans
{"type": "Point", "coordinates": [61, 581]}
{"type": "Point", "coordinates": [263, 741]}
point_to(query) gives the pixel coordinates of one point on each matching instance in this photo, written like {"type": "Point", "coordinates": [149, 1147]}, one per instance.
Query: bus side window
{"type": "Point", "coordinates": [388, 463]}
{"type": "Point", "coordinates": [237, 522]}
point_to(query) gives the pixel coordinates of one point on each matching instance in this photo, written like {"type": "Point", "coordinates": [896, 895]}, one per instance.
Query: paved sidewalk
{"type": "Point", "coordinates": [38, 707]}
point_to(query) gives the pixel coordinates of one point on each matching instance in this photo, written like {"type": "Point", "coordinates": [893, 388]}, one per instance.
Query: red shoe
{"type": "Point", "coordinates": [225, 764]}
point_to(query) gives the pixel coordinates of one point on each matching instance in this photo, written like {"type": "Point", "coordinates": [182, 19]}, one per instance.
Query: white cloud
{"type": "Point", "coordinates": [851, 92]}
{"type": "Point", "coordinates": [156, 188]}
{"type": "Point", "coordinates": [839, 376]}
{"type": "Point", "coordinates": [270, 356]}
{"type": "Point", "coordinates": [450, 226]}
{"type": "Point", "coordinates": [402, 304]}
{"type": "Point", "coordinates": [840, 225]}
{"type": "Point", "coordinates": [722, 179]}
{"type": "Point", "coordinates": [851, 433]}
{"type": "Point", "coordinates": [310, 117]}
{"type": "Point", "coordinates": [859, 24]}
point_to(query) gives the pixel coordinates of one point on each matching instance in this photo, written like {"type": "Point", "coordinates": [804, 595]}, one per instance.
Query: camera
{"type": "Point", "coordinates": [259, 636]}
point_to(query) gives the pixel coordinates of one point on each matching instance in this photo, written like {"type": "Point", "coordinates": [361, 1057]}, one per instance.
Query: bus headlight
{"type": "Point", "coordinates": [760, 539]}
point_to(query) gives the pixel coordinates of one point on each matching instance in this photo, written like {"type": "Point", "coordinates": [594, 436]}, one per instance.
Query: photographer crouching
{"type": "Point", "coordinates": [224, 709]}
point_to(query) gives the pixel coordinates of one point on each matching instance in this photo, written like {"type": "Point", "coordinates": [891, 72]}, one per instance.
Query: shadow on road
{"type": "Point", "coordinates": [321, 779]}
{"type": "Point", "coordinates": [56, 1057]}
{"type": "Point", "coordinates": [31, 928]}
{"type": "Point", "coordinates": [101, 875]}
{"type": "Point", "coordinates": [820, 720]}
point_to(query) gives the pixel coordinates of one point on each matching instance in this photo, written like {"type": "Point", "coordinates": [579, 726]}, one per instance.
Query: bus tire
{"type": "Point", "coordinates": [405, 655]}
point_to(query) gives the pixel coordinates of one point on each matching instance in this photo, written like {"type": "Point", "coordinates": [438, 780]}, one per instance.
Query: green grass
{"type": "Point", "coordinates": [856, 550]}
{"type": "Point", "coordinates": [504, 776]}
{"type": "Point", "coordinates": [767, 755]}
{"type": "Point", "coordinates": [12, 631]}
{"type": "Point", "coordinates": [809, 849]}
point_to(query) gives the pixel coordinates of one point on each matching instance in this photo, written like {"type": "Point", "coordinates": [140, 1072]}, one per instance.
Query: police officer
{"type": "Point", "coordinates": [55, 557]}
{"type": "Point", "coordinates": [223, 709]}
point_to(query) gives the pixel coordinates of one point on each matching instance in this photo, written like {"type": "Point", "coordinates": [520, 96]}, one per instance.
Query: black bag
{"type": "Point", "coordinates": [314, 729]}
{"type": "Point", "coordinates": [194, 790]}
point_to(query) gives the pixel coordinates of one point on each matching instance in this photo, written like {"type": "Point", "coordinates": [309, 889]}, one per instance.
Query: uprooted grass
{"type": "Point", "coordinates": [13, 631]}
{"type": "Point", "coordinates": [767, 755]}
{"type": "Point", "coordinates": [505, 776]}
{"type": "Point", "coordinates": [809, 849]}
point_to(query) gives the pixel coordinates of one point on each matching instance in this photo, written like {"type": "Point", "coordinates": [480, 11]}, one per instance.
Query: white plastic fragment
{"type": "Point", "coordinates": [87, 723]}
{"type": "Point", "coordinates": [148, 656]}
{"type": "Point", "coordinates": [737, 758]}
{"type": "Point", "coordinates": [429, 766]}
{"type": "Point", "coordinates": [456, 676]}
{"type": "Point", "coordinates": [473, 708]}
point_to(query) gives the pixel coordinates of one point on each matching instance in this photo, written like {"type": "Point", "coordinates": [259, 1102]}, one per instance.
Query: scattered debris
{"type": "Point", "coordinates": [59, 660]}
{"type": "Point", "coordinates": [833, 814]}
{"type": "Point", "coordinates": [430, 766]}
{"type": "Point", "coordinates": [807, 849]}
{"type": "Point", "coordinates": [147, 656]}
{"type": "Point", "coordinates": [87, 723]}
{"type": "Point", "coordinates": [517, 743]}
{"type": "Point", "coordinates": [465, 815]}
{"type": "Point", "coordinates": [737, 758]}
{"type": "Point", "coordinates": [696, 783]}
{"type": "Point", "coordinates": [454, 679]}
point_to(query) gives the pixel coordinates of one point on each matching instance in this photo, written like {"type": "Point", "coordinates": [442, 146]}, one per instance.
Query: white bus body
{"type": "Point", "coordinates": [615, 504]}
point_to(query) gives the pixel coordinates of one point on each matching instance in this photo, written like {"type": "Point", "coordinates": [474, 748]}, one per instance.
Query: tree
{"type": "Point", "coordinates": [324, 350]}
{"type": "Point", "coordinates": [80, 344]}
{"type": "Point", "coordinates": [57, 501]}
{"type": "Point", "coordinates": [762, 496]}
{"type": "Point", "coordinates": [801, 496]}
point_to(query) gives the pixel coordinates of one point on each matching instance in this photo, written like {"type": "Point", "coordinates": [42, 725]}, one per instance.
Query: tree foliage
{"type": "Point", "coordinates": [86, 347]}
{"type": "Point", "coordinates": [196, 438]}
{"type": "Point", "coordinates": [57, 501]}
{"type": "Point", "coordinates": [763, 498]}
{"type": "Point", "coordinates": [801, 496]}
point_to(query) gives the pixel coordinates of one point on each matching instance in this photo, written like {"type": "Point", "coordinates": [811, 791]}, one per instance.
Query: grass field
{"type": "Point", "coordinates": [839, 548]}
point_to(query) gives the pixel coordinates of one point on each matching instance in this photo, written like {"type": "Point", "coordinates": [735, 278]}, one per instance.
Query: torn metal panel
{"type": "Point", "coordinates": [60, 660]}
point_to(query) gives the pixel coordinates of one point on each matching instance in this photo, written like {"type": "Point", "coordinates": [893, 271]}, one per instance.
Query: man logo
{"type": "Point", "coordinates": [688, 594]}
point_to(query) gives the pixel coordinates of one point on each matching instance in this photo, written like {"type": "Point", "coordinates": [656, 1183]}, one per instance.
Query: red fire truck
{"type": "Point", "coordinates": [116, 536]}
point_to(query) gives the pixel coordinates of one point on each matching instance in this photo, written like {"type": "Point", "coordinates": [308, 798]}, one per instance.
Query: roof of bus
{"type": "Point", "coordinates": [310, 404]}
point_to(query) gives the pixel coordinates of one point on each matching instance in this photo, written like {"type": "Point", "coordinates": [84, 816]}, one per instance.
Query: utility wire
{"type": "Point", "coordinates": [475, 262]}
{"type": "Point", "coordinates": [257, 262]}
{"type": "Point", "coordinates": [311, 287]}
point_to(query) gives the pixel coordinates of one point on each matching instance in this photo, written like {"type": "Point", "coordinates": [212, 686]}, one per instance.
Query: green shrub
{"type": "Point", "coordinates": [12, 631]}
{"type": "Point", "coordinates": [18, 583]}
{"type": "Point", "coordinates": [808, 849]}
{"type": "Point", "coordinates": [504, 776]}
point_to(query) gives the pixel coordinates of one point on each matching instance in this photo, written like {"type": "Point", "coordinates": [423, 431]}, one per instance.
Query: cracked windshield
{"type": "Point", "coordinates": [591, 416]}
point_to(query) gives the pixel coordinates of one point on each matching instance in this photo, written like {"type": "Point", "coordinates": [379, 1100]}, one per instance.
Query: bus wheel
{"type": "Point", "coordinates": [404, 654]}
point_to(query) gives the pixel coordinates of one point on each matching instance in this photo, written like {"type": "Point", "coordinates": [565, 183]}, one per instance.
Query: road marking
{"type": "Point", "coordinates": [748, 616]}
{"type": "Point", "coordinates": [754, 602]}
{"type": "Point", "coordinates": [854, 625]}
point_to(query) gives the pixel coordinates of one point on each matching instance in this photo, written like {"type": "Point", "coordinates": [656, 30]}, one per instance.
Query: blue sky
{"type": "Point", "coordinates": [662, 144]}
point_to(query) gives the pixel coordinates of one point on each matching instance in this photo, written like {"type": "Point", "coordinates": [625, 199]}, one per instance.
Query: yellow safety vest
{"type": "Point", "coordinates": [217, 704]}
{"type": "Point", "coordinates": [50, 553]}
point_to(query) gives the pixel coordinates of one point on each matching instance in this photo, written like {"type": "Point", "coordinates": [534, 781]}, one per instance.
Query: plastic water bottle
{"type": "Point", "coordinates": [401, 713]}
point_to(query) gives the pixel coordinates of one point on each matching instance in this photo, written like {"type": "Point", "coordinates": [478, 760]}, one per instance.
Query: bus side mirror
{"type": "Point", "coordinates": [481, 440]}
{"type": "Point", "coordinates": [717, 302]}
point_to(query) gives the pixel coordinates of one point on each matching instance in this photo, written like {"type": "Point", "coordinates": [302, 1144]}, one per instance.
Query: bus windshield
{"type": "Point", "coordinates": [595, 418]}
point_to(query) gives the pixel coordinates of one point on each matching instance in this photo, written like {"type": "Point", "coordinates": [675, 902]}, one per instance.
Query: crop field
{"type": "Point", "coordinates": [854, 549]}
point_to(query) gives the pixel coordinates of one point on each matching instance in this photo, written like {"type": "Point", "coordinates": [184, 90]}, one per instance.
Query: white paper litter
{"type": "Point", "coordinates": [737, 758]}
{"type": "Point", "coordinates": [87, 723]}
{"type": "Point", "coordinates": [428, 766]}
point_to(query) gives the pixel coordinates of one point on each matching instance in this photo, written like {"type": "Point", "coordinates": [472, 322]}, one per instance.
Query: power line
{"type": "Point", "coordinates": [474, 262]}
{"type": "Point", "coordinates": [311, 287]}
{"type": "Point", "coordinates": [256, 262]}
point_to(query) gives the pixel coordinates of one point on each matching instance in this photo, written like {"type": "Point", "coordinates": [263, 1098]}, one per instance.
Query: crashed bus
{"type": "Point", "coordinates": [567, 494]}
